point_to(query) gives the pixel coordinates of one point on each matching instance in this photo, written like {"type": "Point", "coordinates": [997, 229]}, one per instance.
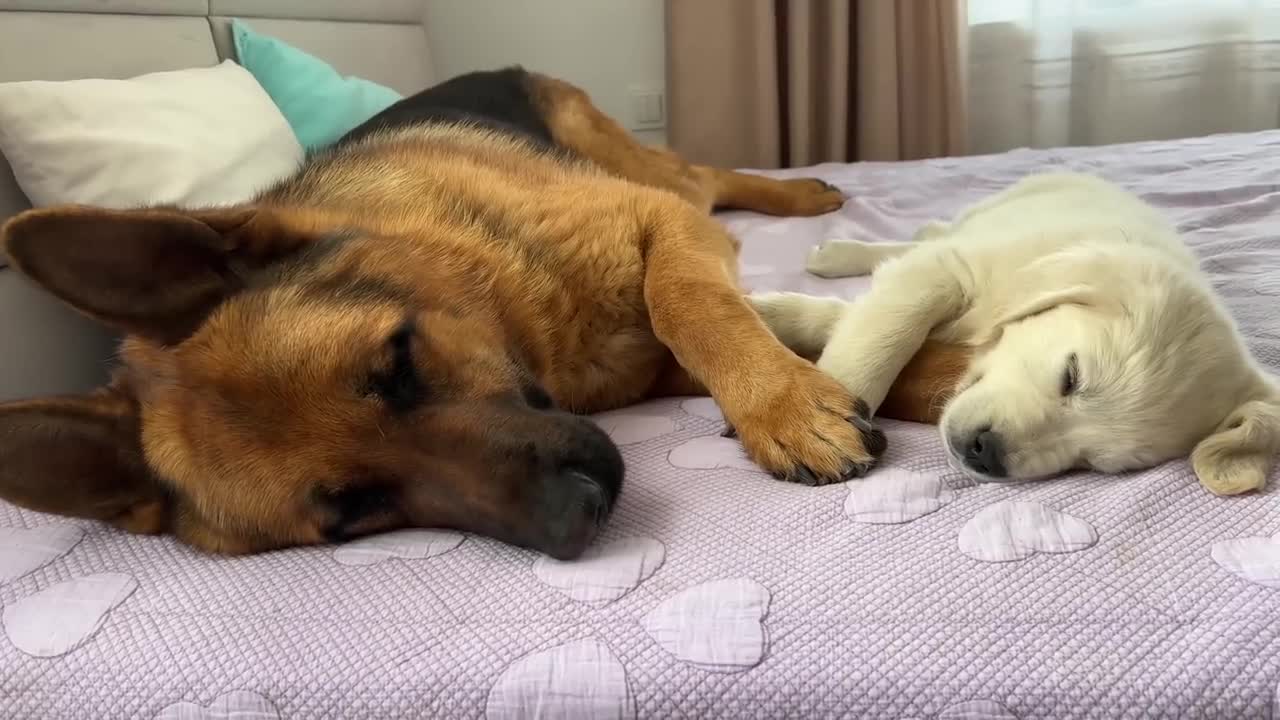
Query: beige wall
{"type": "Point", "coordinates": [606, 47]}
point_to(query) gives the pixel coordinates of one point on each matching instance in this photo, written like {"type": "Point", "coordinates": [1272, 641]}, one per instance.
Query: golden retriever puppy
{"type": "Point", "coordinates": [1097, 341]}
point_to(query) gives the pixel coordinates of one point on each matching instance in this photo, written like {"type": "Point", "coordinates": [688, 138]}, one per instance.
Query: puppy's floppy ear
{"type": "Point", "coordinates": [1238, 456]}
{"type": "Point", "coordinates": [1084, 274]}
{"type": "Point", "coordinates": [1049, 299]}
{"type": "Point", "coordinates": [154, 272]}
{"type": "Point", "coordinates": [80, 456]}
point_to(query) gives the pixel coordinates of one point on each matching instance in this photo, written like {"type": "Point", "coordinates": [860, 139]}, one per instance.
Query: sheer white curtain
{"type": "Point", "coordinates": [1049, 73]}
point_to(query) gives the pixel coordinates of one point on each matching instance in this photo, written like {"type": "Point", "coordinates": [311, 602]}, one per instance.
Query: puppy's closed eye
{"type": "Point", "coordinates": [1070, 376]}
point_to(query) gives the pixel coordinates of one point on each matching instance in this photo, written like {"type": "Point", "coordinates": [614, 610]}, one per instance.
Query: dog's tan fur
{"type": "Point", "coordinates": [604, 282]}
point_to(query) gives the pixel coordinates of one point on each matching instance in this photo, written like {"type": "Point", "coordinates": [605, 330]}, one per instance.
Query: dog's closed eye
{"type": "Point", "coordinates": [397, 384]}
{"type": "Point", "coordinates": [354, 508]}
{"type": "Point", "coordinates": [1070, 376]}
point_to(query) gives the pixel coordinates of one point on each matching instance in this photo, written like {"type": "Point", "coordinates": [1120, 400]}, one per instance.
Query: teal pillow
{"type": "Point", "coordinates": [320, 105]}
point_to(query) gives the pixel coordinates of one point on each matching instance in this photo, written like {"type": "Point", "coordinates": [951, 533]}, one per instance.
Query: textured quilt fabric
{"type": "Point", "coordinates": [717, 592]}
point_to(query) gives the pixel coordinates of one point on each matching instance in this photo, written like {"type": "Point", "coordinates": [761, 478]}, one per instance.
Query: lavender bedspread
{"type": "Point", "coordinates": [718, 592]}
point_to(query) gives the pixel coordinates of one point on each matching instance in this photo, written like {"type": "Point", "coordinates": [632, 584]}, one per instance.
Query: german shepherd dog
{"type": "Point", "coordinates": [407, 331]}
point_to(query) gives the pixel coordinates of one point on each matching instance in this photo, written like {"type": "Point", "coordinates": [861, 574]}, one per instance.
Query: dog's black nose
{"type": "Point", "coordinates": [985, 454]}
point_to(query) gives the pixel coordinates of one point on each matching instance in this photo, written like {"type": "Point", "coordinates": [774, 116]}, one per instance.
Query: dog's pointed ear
{"type": "Point", "coordinates": [80, 456]}
{"type": "Point", "coordinates": [154, 272]}
{"type": "Point", "coordinates": [1239, 455]}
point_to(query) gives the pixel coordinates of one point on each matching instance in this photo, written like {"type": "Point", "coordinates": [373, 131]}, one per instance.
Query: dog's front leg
{"type": "Point", "coordinates": [878, 334]}
{"type": "Point", "coordinates": [793, 420]}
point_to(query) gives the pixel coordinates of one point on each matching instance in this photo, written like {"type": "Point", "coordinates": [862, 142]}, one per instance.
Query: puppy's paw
{"type": "Point", "coordinates": [776, 308]}
{"type": "Point", "coordinates": [802, 322]}
{"type": "Point", "coordinates": [1231, 478]}
{"type": "Point", "coordinates": [812, 431]}
{"type": "Point", "coordinates": [811, 196]}
{"type": "Point", "coordinates": [931, 230]}
{"type": "Point", "coordinates": [841, 258]}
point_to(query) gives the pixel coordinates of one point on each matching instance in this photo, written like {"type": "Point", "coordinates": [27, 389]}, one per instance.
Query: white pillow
{"type": "Point", "coordinates": [203, 136]}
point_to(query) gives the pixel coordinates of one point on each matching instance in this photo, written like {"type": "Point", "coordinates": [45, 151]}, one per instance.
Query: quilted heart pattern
{"type": "Point", "coordinates": [1011, 530]}
{"type": "Point", "coordinates": [236, 705]}
{"type": "Point", "coordinates": [895, 495]}
{"type": "Point", "coordinates": [629, 428]}
{"type": "Point", "coordinates": [61, 617]}
{"type": "Point", "coordinates": [605, 572]}
{"type": "Point", "coordinates": [703, 407]}
{"type": "Point", "coordinates": [25, 550]}
{"type": "Point", "coordinates": [411, 544]}
{"type": "Point", "coordinates": [580, 679]}
{"type": "Point", "coordinates": [1256, 559]}
{"type": "Point", "coordinates": [717, 626]}
{"type": "Point", "coordinates": [709, 453]}
{"type": "Point", "coordinates": [977, 710]}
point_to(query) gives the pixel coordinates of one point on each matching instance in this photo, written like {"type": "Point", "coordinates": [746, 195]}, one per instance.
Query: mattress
{"type": "Point", "coordinates": [716, 591]}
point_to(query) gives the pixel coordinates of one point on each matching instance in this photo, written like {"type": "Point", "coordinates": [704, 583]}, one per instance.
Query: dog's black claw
{"type": "Point", "coordinates": [803, 476]}
{"type": "Point", "coordinates": [830, 187]}
{"type": "Point", "coordinates": [873, 438]}
{"type": "Point", "coordinates": [729, 432]}
{"type": "Point", "coordinates": [861, 423]}
{"type": "Point", "coordinates": [861, 408]}
{"type": "Point", "coordinates": [856, 470]}
{"type": "Point", "coordinates": [876, 442]}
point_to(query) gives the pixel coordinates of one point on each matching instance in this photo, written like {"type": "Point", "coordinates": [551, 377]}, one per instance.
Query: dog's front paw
{"type": "Point", "coordinates": [931, 230]}
{"type": "Point", "coordinates": [1226, 477]}
{"type": "Point", "coordinates": [812, 431]}
{"type": "Point", "coordinates": [811, 196]}
{"type": "Point", "coordinates": [841, 258]}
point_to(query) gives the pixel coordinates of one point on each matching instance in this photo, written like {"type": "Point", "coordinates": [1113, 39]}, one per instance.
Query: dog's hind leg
{"type": "Point", "coordinates": [575, 123]}
{"type": "Point", "coordinates": [744, 191]}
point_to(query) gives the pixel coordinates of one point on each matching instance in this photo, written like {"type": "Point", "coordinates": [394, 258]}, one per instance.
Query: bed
{"type": "Point", "coordinates": [717, 592]}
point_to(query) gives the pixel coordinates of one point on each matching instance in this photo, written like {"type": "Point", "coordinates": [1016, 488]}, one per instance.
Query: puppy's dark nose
{"type": "Point", "coordinates": [985, 454]}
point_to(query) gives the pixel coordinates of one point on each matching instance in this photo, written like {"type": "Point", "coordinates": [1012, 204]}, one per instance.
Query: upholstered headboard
{"type": "Point", "coordinates": [381, 40]}
{"type": "Point", "coordinates": [45, 347]}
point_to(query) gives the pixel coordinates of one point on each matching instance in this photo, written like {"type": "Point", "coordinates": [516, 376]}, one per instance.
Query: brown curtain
{"type": "Point", "coordinates": [786, 83]}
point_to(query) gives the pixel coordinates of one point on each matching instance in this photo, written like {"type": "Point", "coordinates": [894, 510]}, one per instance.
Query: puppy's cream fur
{"type": "Point", "coordinates": [1055, 266]}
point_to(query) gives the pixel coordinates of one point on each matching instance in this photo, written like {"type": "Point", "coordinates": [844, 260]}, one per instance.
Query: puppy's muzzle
{"type": "Point", "coordinates": [983, 452]}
